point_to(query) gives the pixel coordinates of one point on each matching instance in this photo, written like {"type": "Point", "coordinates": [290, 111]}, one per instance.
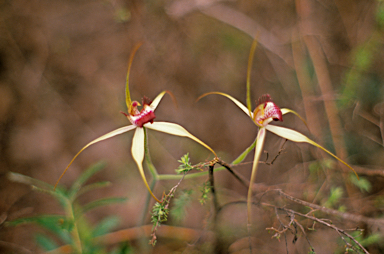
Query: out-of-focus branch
{"type": "Point", "coordinates": [176, 233]}
{"type": "Point", "coordinates": [238, 20]}
{"type": "Point", "coordinates": [379, 223]}
{"type": "Point", "coordinates": [325, 84]}
{"type": "Point", "coordinates": [311, 113]}
{"type": "Point", "coordinates": [369, 172]}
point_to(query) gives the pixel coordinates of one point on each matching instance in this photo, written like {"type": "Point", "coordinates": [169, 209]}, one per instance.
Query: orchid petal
{"type": "Point", "coordinates": [298, 137]}
{"type": "Point", "coordinates": [177, 130]}
{"type": "Point", "coordinates": [158, 98]}
{"type": "Point", "coordinates": [259, 148]}
{"type": "Point", "coordinates": [238, 103]}
{"type": "Point", "coordinates": [138, 156]}
{"type": "Point", "coordinates": [287, 110]}
{"type": "Point", "coordinates": [250, 60]}
{"type": "Point", "coordinates": [104, 137]}
{"type": "Point", "coordinates": [127, 93]}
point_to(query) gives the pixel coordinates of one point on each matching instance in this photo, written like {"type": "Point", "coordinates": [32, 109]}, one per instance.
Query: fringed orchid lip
{"type": "Point", "coordinates": [139, 118]}
{"type": "Point", "coordinates": [266, 111]}
{"type": "Point", "coordinates": [146, 115]}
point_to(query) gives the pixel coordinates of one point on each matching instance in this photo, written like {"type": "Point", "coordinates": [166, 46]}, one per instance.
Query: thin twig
{"type": "Point", "coordinates": [305, 234]}
{"type": "Point", "coordinates": [344, 215]}
{"type": "Point", "coordinates": [212, 187]}
{"type": "Point", "coordinates": [166, 199]}
{"type": "Point", "coordinates": [241, 179]}
{"type": "Point", "coordinates": [277, 155]}
{"type": "Point", "coordinates": [341, 231]}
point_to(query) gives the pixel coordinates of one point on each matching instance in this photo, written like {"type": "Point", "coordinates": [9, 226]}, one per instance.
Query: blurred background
{"type": "Point", "coordinates": [62, 84]}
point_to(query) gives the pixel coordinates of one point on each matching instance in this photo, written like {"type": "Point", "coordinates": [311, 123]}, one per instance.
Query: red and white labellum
{"type": "Point", "coordinates": [146, 115]}
{"type": "Point", "coordinates": [139, 118]}
{"type": "Point", "coordinates": [267, 111]}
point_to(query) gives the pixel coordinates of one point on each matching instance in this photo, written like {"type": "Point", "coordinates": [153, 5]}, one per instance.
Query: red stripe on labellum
{"type": "Point", "coordinates": [267, 109]}
{"type": "Point", "coordinates": [146, 115]}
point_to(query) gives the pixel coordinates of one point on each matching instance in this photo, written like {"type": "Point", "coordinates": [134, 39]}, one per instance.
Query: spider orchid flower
{"type": "Point", "coordinates": [139, 121]}
{"type": "Point", "coordinates": [262, 116]}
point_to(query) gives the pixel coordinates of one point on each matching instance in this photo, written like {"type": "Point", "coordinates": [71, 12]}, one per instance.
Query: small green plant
{"type": "Point", "coordinates": [185, 166]}
{"type": "Point", "coordinates": [363, 184]}
{"type": "Point", "coordinates": [160, 212]}
{"type": "Point", "coordinates": [205, 189]}
{"type": "Point", "coordinates": [334, 197]}
{"type": "Point", "coordinates": [365, 241]}
{"type": "Point", "coordinates": [72, 228]}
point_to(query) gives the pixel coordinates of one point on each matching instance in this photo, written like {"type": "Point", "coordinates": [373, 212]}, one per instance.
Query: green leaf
{"type": "Point", "coordinates": [59, 194]}
{"type": "Point", "coordinates": [55, 223]}
{"type": "Point", "coordinates": [371, 239]}
{"type": "Point", "coordinates": [205, 190]}
{"type": "Point", "coordinates": [244, 154]}
{"type": "Point", "coordinates": [185, 164]}
{"type": "Point", "coordinates": [124, 248]}
{"type": "Point", "coordinates": [19, 178]}
{"type": "Point", "coordinates": [84, 177]}
{"type": "Point", "coordinates": [105, 226]}
{"type": "Point", "coordinates": [98, 203]}
{"type": "Point", "coordinates": [45, 242]}
{"type": "Point", "coordinates": [363, 184]}
{"type": "Point", "coordinates": [335, 196]}
{"type": "Point", "coordinates": [91, 187]}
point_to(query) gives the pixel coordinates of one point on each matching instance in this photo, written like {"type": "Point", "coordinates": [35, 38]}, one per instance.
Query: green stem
{"type": "Point", "coordinates": [194, 175]}
{"type": "Point", "coordinates": [75, 231]}
{"type": "Point", "coordinates": [148, 160]}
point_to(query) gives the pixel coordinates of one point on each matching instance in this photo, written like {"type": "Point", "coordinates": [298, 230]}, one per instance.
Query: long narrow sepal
{"type": "Point", "coordinates": [287, 110]}
{"type": "Point", "coordinates": [104, 137]}
{"type": "Point", "coordinates": [259, 148]}
{"type": "Point", "coordinates": [250, 61]}
{"type": "Point", "coordinates": [177, 130]}
{"type": "Point", "coordinates": [138, 156]}
{"type": "Point", "coordinates": [127, 93]}
{"type": "Point", "coordinates": [298, 137]}
{"type": "Point", "coordinates": [158, 98]}
{"type": "Point", "coordinates": [238, 103]}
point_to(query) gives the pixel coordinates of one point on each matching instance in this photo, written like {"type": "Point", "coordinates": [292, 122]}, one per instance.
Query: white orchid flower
{"type": "Point", "coordinates": [141, 120]}
{"type": "Point", "coordinates": [262, 116]}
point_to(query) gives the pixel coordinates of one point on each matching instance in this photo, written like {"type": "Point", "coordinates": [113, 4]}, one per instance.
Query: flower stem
{"type": "Point", "coordinates": [75, 231]}
{"type": "Point", "coordinates": [148, 160]}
